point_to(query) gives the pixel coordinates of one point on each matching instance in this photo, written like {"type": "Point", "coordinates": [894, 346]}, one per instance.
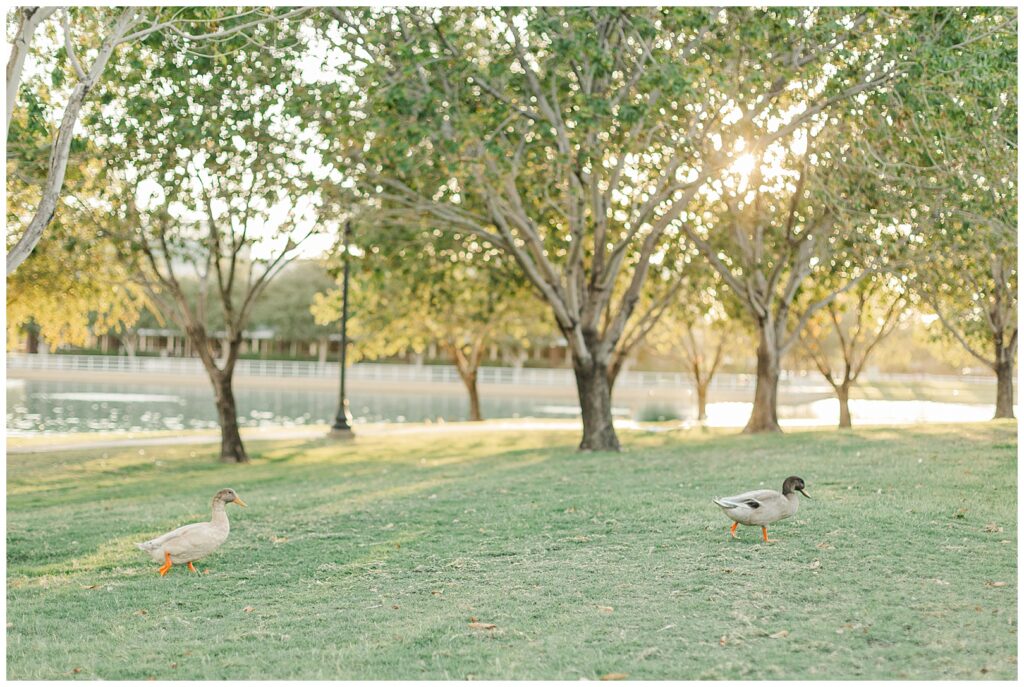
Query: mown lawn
{"type": "Point", "coordinates": [372, 560]}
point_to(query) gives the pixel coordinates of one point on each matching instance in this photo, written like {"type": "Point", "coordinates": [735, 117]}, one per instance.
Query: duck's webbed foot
{"type": "Point", "coordinates": [764, 535]}
{"type": "Point", "coordinates": [167, 564]}
{"type": "Point", "coordinates": [192, 567]}
{"type": "Point", "coordinates": [732, 530]}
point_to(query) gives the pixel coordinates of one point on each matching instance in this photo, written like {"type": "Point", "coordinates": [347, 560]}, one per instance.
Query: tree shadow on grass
{"type": "Point", "coordinates": [352, 485]}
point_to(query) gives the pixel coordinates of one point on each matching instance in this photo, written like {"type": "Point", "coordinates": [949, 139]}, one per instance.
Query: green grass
{"type": "Point", "coordinates": [371, 560]}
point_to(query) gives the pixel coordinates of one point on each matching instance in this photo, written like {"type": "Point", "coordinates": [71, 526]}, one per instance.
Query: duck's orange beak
{"type": "Point", "coordinates": [239, 501]}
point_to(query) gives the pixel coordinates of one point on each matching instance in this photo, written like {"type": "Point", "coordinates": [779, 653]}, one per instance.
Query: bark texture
{"type": "Point", "coordinates": [596, 407]}
{"type": "Point", "coordinates": [764, 415]}
{"type": "Point", "coordinates": [231, 448]}
{"type": "Point", "coordinates": [1004, 389]}
{"type": "Point", "coordinates": [843, 394]}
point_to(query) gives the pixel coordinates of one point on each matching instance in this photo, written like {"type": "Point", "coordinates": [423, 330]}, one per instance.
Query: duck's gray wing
{"type": "Point", "coordinates": [748, 499]}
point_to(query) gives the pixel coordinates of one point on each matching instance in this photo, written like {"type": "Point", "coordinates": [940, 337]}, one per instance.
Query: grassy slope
{"type": "Point", "coordinates": [369, 561]}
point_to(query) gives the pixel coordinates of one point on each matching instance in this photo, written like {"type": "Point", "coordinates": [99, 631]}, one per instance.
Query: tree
{"type": "Point", "coordinates": [212, 153]}
{"type": "Point", "coordinates": [850, 328]}
{"type": "Point", "coordinates": [969, 280]}
{"type": "Point", "coordinates": [777, 236]}
{"type": "Point", "coordinates": [583, 134]}
{"type": "Point", "coordinates": [72, 282]}
{"type": "Point", "coordinates": [703, 326]}
{"type": "Point", "coordinates": [961, 121]}
{"type": "Point", "coordinates": [415, 285]}
{"type": "Point", "coordinates": [103, 30]}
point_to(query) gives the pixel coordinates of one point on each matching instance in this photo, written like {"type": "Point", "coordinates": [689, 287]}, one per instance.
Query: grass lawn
{"type": "Point", "coordinates": [372, 560]}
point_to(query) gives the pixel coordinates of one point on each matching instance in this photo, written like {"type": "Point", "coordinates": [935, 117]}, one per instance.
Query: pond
{"type": "Point", "coordinates": [38, 407]}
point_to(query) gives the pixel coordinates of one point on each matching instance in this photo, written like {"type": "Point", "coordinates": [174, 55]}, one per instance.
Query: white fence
{"type": "Point", "coordinates": [383, 372]}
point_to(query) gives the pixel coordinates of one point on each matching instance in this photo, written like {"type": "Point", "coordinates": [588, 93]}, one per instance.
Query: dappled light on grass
{"type": "Point", "coordinates": [372, 559]}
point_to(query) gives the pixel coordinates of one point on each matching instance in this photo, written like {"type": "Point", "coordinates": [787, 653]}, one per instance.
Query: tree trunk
{"type": "Point", "coordinates": [130, 343]}
{"type": "Point", "coordinates": [702, 401]}
{"type": "Point", "coordinates": [843, 394]}
{"type": "Point", "coordinates": [231, 448]}
{"type": "Point", "coordinates": [1004, 387]}
{"type": "Point", "coordinates": [764, 415]}
{"type": "Point", "coordinates": [61, 148]}
{"type": "Point", "coordinates": [613, 371]}
{"type": "Point", "coordinates": [469, 380]}
{"type": "Point", "coordinates": [596, 406]}
{"type": "Point", "coordinates": [29, 20]}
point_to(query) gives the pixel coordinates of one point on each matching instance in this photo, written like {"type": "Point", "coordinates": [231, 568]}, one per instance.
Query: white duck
{"type": "Point", "coordinates": [762, 507]}
{"type": "Point", "coordinates": [192, 542]}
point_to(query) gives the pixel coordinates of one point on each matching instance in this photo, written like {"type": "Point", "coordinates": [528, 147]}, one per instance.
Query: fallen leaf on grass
{"type": "Point", "coordinates": [816, 564]}
{"type": "Point", "coordinates": [721, 640]}
{"type": "Point", "coordinates": [995, 584]}
{"type": "Point", "coordinates": [606, 609]}
{"type": "Point", "coordinates": [823, 545]}
{"type": "Point", "coordinates": [248, 609]}
{"type": "Point", "coordinates": [993, 527]}
{"type": "Point", "coordinates": [482, 626]}
{"type": "Point", "coordinates": [76, 671]}
{"type": "Point", "coordinates": [780, 634]}
{"type": "Point", "coordinates": [940, 582]}
{"type": "Point", "coordinates": [278, 540]}
{"type": "Point", "coordinates": [394, 606]}
{"type": "Point", "coordinates": [91, 586]}
{"type": "Point", "coordinates": [141, 611]}
{"type": "Point", "coordinates": [437, 592]}
{"type": "Point", "coordinates": [615, 676]}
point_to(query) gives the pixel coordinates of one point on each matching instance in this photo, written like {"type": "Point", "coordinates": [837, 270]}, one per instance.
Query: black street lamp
{"type": "Point", "coordinates": [341, 429]}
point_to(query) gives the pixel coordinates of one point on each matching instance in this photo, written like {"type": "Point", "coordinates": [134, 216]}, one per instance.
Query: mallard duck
{"type": "Point", "coordinates": [192, 542]}
{"type": "Point", "coordinates": [763, 506]}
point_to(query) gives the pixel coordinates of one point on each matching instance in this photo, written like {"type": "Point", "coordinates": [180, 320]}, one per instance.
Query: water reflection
{"type": "Point", "coordinates": [36, 406]}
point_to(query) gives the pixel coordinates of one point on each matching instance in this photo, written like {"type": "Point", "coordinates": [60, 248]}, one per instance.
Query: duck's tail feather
{"type": "Point", "coordinates": [725, 503]}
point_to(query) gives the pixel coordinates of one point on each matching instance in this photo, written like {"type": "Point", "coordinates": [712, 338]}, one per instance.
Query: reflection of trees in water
{"type": "Point", "coordinates": [39, 405]}
{"type": "Point", "coordinates": [52, 406]}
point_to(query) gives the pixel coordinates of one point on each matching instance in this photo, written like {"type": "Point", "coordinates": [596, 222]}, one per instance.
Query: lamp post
{"type": "Point", "coordinates": [341, 429]}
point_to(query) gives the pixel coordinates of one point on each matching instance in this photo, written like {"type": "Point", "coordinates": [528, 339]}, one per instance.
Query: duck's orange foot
{"type": "Point", "coordinates": [167, 564]}
{"type": "Point", "coordinates": [764, 535]}
{"type": "Point", "coordinates": [732, 530]}
{"type": "Point", "coordinates": [192, 567]}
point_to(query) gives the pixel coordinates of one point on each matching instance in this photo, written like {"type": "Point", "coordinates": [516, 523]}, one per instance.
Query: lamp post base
{"type": "Point", "coordinates": [342, 434]}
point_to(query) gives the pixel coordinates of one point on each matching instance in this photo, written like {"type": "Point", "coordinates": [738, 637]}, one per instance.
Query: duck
{"type": "Point", "coordinates": [190, 543]}
{"type": "Point", "coordinates": [762, 507]}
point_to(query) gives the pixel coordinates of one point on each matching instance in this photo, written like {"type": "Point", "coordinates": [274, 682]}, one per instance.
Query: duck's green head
{"type": "Point", "coordinates": [794, 484]}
